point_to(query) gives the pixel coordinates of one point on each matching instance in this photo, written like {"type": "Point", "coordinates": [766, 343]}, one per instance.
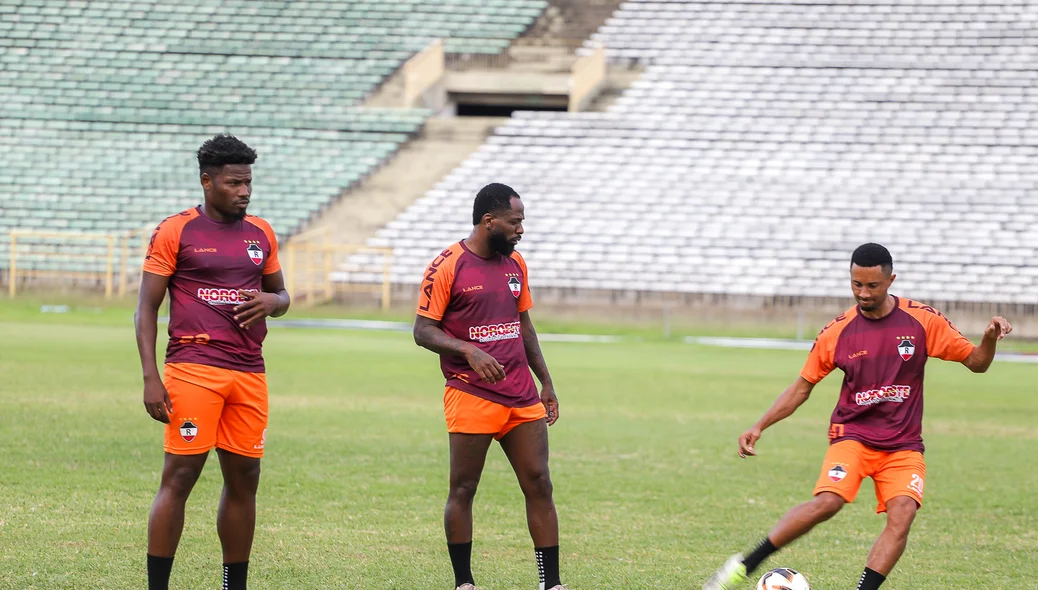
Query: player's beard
{"type": "Point", "coordinates": [500, 244]}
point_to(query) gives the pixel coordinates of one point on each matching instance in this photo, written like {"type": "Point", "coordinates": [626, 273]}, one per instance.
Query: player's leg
{"type": "Point", "coordinates": [166, 521]}
{"type": "Point", "coordinates": [468, 454]}
{"type": "Point", "coordinates": [838, 483]}
{"type": "Point", "coordinates": [189, 436]}
{"type": "Point", "coordinates": [526, 446]}
{"type": "Point", "coordinates": [899, 489]}
{"type": "Point", "coordinates": [241, 438]}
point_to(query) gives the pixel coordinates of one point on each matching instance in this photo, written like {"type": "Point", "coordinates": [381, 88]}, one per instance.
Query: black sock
{"type": "Point", "coordinates": [548, 566]}
{"type": "Point", "coordinates": [870, 580]}
{"type": "Point", "coordinates": [235, 575]}
{"type": "Point", "coordinates": [158, 572]}
{"type": "Point", "coordinates": [461, 561]}
{"type": "Point", "coordinates": [754, 559]}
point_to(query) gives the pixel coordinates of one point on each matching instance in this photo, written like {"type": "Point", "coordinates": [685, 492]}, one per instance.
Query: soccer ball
{"type": "Point", "coordinates": [783, 578]}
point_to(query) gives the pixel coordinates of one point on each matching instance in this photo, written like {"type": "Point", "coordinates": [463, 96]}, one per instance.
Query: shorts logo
{"type": "Point", "coordinates": [905, 348]}
{"type": "Point", "coordinates": [263, 441]}
{"type": "Point", "coordinates": [255, 253]}
{"type": "Point", "coordinates": [495, 332]}
{"type": "Point", "coordinates": [916, 485]}
{"type": "Point", "coordinates": [222, 296]}
{"type": "Point", "coordinates": [837, 473]}
{"type": "Point", "coordinates": [515, 286]}
{"type": "Point", "coordinates": [188, 431]}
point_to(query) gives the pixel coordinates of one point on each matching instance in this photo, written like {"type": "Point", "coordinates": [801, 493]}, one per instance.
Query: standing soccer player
{"type": "Point", "coordinates": [881, 345]}
{"type": "Point", "coordinates": [473, 310]}
{"type": "Point", "coordinates": [221, 269]}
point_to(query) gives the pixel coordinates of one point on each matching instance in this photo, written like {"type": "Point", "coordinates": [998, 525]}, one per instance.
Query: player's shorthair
{"type": "Point", "coordinates": [871, 254]}
{"type": "Point", "coordinates": [222, 150]}
{"type": "Point", "coordinates": [492, 198]}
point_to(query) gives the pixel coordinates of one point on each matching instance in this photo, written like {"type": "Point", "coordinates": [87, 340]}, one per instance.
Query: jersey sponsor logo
{"type": "Point", "coordinates": [223, 296]}
{"type": "Point", "coordinates": [472, 288]}
{"type": "Point", "coordinates": [905, 348]}
{"type": "Point", "coordinates": [188, 431]}
{"type": "Point", "coordinates": [857, 354]}
{"type": "Point", "coordinates": [205, 250]}
{"type": "Point", "coordinates": [254, 251]}
{"type": "Point", "coordinates": [887, 393]}
{"type": "Point", "coordinates": [837, 473]}
{"type": "Point", "coordinates": [495, 332]}
{"type": "Point", "coordinates": [515, 286]}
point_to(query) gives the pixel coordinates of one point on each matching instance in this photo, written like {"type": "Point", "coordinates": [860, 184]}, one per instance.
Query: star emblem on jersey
{"type": "Point", "coordinates": [188, 431]}
{"type": "Point", "coordinates": [906, 349]}
{"type": "Point", "coordinates": [515, 286]}
{"type": "Point", "coordinates": [255, 253]}
{"type": "Point", "coordinates": [837, 473]}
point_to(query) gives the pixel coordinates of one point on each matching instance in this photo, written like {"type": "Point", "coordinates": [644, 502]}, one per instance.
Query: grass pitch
{"type": "Point", "coordinates": [649, 490]}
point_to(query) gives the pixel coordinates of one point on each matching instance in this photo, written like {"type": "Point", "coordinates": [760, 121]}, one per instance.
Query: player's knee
{"type": "Point", "coordinates": [826, 505]}
{"type": "Point", "coordinates": [464, 491]}
{"type": "Point", "coordinates": [900, 514]}
{"type": "Point", "coordinates": [244, 478]}
{"type": "Point", "coordinates": [538, 484]}
{"type": "Point", "coordinates": [178, 480]}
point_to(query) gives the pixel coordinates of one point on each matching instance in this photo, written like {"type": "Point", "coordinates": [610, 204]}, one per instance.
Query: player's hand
{"type": "Point", "coordinates": [997, 328]}
{"type": "Point", "coordinates": [156, 400]}
{"type": "Point", "coordinates": [257, 306]}
{"type": "Point", "coordinates": [485, 365]}
{"type": "Point", "coordinates": [746, 442]}
{"type": "Point", "coordinates": [551, 403]}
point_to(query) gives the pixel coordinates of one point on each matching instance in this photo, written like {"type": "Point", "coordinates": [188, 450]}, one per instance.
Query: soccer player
{"type": "Point", "coordinates": [881, 345]}
{"type": "Point", "coordinates": [473, 310]}
{"type": "Point", "coordinates": [221, 269]}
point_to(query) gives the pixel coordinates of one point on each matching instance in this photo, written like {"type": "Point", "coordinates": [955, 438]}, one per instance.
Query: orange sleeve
{"type": "Point", "coordinates": [161, 258]}
{"type": "Point", "coordinates": [822, 359]}
{"type": "Point", "coordinates": [943, 339]}
{"type": "Point", "coordinates": [525, 299]}
{"type": "Point", "coordinates": [435, 293]}
{"type": "Point", "coordinates": [272, 265]}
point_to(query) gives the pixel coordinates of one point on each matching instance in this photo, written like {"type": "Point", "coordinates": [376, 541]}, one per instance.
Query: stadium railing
{"type": "Point", "coordinates": [315, 272]}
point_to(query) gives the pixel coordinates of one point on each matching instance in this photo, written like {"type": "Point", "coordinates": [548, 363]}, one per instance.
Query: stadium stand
{"type": "Point", "coordinates": [766, 140]}
{"type": "Point", "coordinates": [104, 103]}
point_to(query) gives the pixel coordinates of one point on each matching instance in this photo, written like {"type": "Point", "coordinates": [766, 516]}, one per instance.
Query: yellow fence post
{"type": "Point", "coordinates": [12, 273]}
{"type": "Point", "coordinates": [109, 265]}
{"type": "Point", "coordinates": [386, 285]}
{"type": "Point", "coordinates": [327, 258]}
{"type": "Point", "coordinates": [124, 274]}
{"type": "Point", "coordinates": [290, 282]}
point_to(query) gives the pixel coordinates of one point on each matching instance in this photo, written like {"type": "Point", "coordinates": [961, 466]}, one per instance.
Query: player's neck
{"type": "Point", "coordinates": [882, 311]}
{"type": "Point", "coordinates": [215, 215]}
{"type": "Point", "coordinates": [478, 246]}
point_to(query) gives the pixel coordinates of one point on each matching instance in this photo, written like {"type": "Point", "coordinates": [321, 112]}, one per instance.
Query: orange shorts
{"type": "Point", "coordinates": [469, 414]}
{"type": "Point", "coordinates": [214, 407]}
{"type": "Point", "coordinates": [898, 473]}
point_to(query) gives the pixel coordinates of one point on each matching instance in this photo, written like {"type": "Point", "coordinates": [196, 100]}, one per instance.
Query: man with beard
{"type": "Point", "coordinates": [881, 345]}
{"type": "Point", "coordinates": [221, 269]}
{"type": "Point", "coordinates": [473, 310]}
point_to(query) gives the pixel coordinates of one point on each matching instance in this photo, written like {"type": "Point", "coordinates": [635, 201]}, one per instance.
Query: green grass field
{"type": "Point", "coordinates": [649, 490]}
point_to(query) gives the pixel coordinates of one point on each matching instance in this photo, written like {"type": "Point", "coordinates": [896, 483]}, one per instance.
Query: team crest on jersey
{"type": "Point", "coordinates": [837, 473]}
{"type": "Point", "coordinates": [905, 348]}
{"type": "Point", "coordinates": [255, 252]}
{"type": "Point", "coordinates": [515, 286]}
{"type": "Point", "coordinates": [188, 431]}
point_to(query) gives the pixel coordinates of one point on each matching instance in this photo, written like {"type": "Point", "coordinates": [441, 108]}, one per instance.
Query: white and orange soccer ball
{"type": "Point", "coordinates": [783, 578]}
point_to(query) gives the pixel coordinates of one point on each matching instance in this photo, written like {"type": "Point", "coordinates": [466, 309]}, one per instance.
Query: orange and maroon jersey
{"type": "Point", "coordinates": [479, 300]}
{"type": "Point", "coordinates": [207, 262]}
{"type": "Point", "coordinates": [881, 400]}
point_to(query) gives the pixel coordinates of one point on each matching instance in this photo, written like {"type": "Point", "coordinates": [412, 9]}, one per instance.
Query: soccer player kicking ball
{"type": "Point", "coordinates": [881, 345]}
{"type": "Point", "coordinates": [473, 310]}
{"type": "Point", "coordinates": [221, 269]}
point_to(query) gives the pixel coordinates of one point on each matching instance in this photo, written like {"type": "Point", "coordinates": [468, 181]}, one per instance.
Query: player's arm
{"type": "Point", "coordinates": [273, 301]}
{"type": "Point", "coordinates": [981, 356]}
{"type": "Point", "coordinates": [145, 322]}
{"type": "Point", "coordinates": [540, 368]}
{"type": "Point", "coordinates": [792, 398]}
{"type": "Point", "coordinates": [430, 335]}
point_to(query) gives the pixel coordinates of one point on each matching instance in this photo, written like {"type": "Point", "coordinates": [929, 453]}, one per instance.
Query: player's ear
{"type": "Point", "coordinates": [487, 219]}
{"type": "Point", "coordinates": [892, 277]}
{"type": "Point", "coordinates": [207, 181]}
